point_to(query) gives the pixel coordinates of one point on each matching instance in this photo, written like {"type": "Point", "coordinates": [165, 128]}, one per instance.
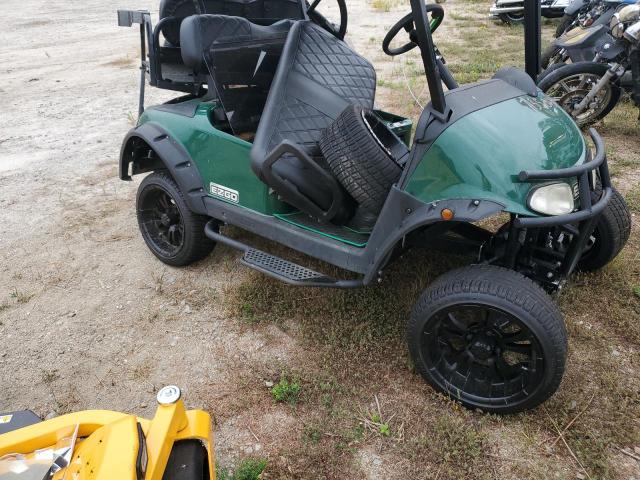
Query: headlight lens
{"type": "Point", "coordinates": [553, 199]}
{"type": "Point", "coordinates": [616, 26]}
{"type": "Point", "coordinates": [632, 32]}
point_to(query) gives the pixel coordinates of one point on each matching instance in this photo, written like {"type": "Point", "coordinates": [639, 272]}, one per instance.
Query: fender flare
{"type": "Point", "coordinates": [403, 214]}
{"type": "Point", "coordinates": [171, 155]}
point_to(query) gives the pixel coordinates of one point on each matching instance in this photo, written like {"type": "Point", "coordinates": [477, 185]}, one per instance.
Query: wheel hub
{"type": "Point", "coordinates": [482, 347]}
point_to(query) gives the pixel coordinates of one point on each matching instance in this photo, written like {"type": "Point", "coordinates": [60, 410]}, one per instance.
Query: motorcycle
{"type": "Point", "coordinates": [585, 13]}
{"type": "Point", "coordinates": [589, 90]}
{"type": "Point", "coordinates": [512, 11]}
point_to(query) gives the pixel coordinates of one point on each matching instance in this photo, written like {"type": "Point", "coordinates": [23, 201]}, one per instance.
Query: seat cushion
{"type": "Point", "coordinates": [199, 34]}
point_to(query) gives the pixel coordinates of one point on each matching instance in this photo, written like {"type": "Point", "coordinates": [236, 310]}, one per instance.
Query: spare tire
{"type": "Point", "coordinates": [365, 156]}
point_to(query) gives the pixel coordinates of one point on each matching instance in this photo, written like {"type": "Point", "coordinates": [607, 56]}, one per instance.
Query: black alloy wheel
{"type": "Point", "coordinates": [170, 229]}
{"type": "Point", "coordinates": [489, 338]}
{"type": "Point", "coordinates": [482, 354]}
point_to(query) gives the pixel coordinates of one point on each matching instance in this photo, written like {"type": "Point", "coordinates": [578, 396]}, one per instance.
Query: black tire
{"type": "Point", "coordinates": [550, 52]}
{"type": "Point", "coordinates": [512, 18]}
{"type": "Point", "coordinates": [510, 301]}
{"type": "Point", "coordinates": [551, 68]}
{"type": "Point", "coordinates": [548, 83]}
{"type": "Point", "coordinates": [172, 232]}
{"type": "Point", "coordinates": [610, 235]}
{"type": "Point", "coordinates": [358, 159]}
{"type": "Point", "coordinates": [565, 21]}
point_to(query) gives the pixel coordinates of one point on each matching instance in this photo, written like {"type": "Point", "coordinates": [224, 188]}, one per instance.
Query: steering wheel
{"type": "Point", "coordinates": [407, 23]}
{"type": "Point", "coordinates": [338, 31]}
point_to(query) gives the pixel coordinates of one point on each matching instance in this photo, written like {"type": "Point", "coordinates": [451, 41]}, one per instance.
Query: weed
{"type": "Point", "coordinates": [159, 280]}
{"type": "Point", "coordinates": [312, 434]}
{"type": "Point", "coordinates": [4, 305]}
{"type": "Point", "coordinates": [49, 376]}
{"type": "Point", "coordinates": [19, 296]}
{"type": "Point", "coordinates": [286, 390]}
{"type": "Point", "coordinates": [249, 469]}
{"type": "Point", "coordinates": [383, 5]}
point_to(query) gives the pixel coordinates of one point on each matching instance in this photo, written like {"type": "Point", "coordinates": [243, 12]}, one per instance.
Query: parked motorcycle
{"type": "Point", "coordinates": [589, 90]}
{"type": "Point", "coordinates": [512, 11]}
{"type": "Point", "coordinates": [577, 45]}
{"type": "Point", "coordinates": [585, 13]}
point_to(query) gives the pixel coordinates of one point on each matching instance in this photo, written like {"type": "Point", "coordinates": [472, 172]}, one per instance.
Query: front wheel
{"type": "Point", "coordinates": [489, 338]}
{"type": "Point", "coordinates": [609, 237]}
{"type": "Point", "coordinates": [570, 83]}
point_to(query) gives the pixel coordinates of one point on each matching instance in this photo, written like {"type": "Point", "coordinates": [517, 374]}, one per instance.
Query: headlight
{"type": "Point", "coordinates": [553, 199]}
{"type": "Point", "coordinates": [616, 26]}
{"type": "Point", "coordinates": [632, 32]}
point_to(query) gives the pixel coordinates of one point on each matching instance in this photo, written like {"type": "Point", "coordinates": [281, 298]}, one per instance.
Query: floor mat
{"type": "Point", "coordinates": [340, 233]}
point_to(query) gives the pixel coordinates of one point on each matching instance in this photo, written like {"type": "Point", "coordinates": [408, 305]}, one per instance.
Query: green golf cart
{"type": "Point", "coordinates": [275, 131]}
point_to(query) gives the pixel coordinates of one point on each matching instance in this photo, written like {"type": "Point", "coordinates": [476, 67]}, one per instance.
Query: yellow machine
{"type": "Point", "coordinates": [103, 445]}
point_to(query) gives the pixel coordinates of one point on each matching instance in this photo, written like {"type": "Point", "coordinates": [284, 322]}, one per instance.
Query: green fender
{"type": "Point", "coordinates": [481, 155]}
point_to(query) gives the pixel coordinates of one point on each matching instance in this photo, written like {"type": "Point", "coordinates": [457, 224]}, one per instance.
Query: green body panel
{"type": "Point", "coordinates": [220, 157]}
{"type": "Point", "coordinates": [480, 155]}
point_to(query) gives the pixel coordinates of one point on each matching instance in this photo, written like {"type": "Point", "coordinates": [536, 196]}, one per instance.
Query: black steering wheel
{"type": "Point", "coordinates": [338, 31]}
{"type": "Point", "coordinates": [407, 23]}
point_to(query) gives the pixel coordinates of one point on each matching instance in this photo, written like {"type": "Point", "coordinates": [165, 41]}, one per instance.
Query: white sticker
{"type": "Point", "coordinates": [5, 418]}
{"type": "Point", "coordinates": [227, 194]}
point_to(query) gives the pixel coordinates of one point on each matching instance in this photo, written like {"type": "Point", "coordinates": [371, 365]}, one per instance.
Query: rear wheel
{"type": "Point", "coordinates": [564, 24]}
{"type": "Point", "coordinates": [569, 84]}
{"type": "Point", "coordinates": [171, 231]}
{"type": "Point", "coordinates": [489, 338]}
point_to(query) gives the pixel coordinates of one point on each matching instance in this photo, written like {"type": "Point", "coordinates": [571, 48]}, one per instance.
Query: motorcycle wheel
{"type": "Point", "coordinates": [512, 18]}
{"type": "Point", "coordinates": [564, 24]}
{"type": "Point", "coordinates": [569, 84]}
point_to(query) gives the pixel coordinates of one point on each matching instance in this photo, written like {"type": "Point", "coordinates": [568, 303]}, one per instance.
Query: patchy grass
{"type": "Point", "coordinates": [385, 5]}
{"type": "Point", "coordinates": [20, 296]}
{"type": "Point", "coordinates": [286, 390]}
{"type": "Point", "coordinates": [360, 393]}
{"type": "Point", "coordinates": [249, 469]}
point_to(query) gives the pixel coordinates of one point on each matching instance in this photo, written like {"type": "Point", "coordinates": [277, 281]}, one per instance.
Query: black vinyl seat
{"type": "Point", "coordinates": [263, 12]}
{"type": "Point", "coordinates": [240, 59]}
{"type": "Point", "coordinates": [317, 77]}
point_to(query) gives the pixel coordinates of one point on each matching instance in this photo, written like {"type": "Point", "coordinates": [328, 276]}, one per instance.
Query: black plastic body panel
{"type": "Point", "coordinates": [173, 156]}
{"type": "Point", "coordinates": [14, 420]}
{"type": "Point", "coordinates": [401, 215]}
{"type": "Point", "coordinates": [188, 461]}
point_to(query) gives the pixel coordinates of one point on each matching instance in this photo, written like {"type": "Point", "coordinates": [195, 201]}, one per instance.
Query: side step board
{"type": "Point", "coordinates": [277, 267]}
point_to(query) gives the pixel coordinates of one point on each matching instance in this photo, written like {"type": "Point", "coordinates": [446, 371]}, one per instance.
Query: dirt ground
{"type": "Point", "coordinates": [90, 319]}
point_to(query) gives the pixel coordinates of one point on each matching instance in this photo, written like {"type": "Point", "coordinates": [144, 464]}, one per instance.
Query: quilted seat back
{"type": "Point", "coordinates": [318, 76]}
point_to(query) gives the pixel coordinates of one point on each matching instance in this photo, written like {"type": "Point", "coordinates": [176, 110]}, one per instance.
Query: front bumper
{"type": "Point", "coordinates": [588, 209]}
{"type": "Point", "coordinates": [581, 222]}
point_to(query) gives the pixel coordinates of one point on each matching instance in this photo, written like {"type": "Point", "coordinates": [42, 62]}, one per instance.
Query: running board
{"type": "Point", "coordinates": [277, 267]}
